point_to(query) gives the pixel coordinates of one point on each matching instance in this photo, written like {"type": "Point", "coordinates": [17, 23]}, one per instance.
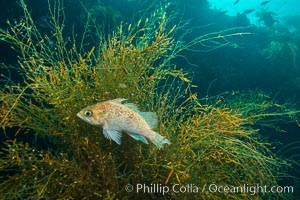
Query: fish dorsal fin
{"type": "Point", "coordinates": [112, 135]}
{"type": "Point", "coordinates": [118, 100]}
{"type": "Point", "coordinates": [132, 106]}
{"type": "Point", "coordinates": [138, 137]}
{"type": "Point", "coordinates": [150, 118]}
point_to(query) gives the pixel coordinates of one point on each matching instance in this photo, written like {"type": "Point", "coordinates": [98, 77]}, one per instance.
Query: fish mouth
{"type": "Point", "coordinates": [78, 115]}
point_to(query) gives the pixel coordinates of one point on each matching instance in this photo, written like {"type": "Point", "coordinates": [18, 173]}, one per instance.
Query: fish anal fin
{"type": "Point", "coordinates": [138, 137]}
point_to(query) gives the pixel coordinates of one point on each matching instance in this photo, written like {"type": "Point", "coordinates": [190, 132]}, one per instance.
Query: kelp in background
{"type": "Point", "coordinates": [213, 141]}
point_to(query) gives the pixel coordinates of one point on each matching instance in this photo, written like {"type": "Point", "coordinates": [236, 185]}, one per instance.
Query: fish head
{"type": "Point", "coordinates": [92, 115]}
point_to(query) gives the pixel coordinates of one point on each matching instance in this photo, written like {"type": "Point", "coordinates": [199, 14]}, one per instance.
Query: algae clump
{"type": "Point", "coordinates": [214, 140]}
{"type": "Point", "coordinates": [281, 53]}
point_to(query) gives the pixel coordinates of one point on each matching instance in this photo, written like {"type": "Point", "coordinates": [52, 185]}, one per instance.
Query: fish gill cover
{"type": "Point", "coordinates": [214, 140]}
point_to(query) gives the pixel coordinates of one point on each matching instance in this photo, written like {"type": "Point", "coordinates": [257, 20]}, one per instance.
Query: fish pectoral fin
{"type": "Point", "coordinates": [138, 137]}
{"type": "Point", "coordinates": [113, 135]}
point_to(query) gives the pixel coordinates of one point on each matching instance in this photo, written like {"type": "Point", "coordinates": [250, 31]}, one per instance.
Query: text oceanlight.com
{"type": "Point", "coordinates": [211, 188]}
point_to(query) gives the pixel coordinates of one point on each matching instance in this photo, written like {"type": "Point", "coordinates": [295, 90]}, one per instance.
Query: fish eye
{"type": "Point", "coordinates": [88, 113]}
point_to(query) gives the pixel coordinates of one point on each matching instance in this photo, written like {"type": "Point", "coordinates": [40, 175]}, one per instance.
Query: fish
{"type": "Point", "coordinates": [223, 12]}
{"type": "Point", "coordinates": [45, 22]}
{"type": "Point", "coordinates": [248, 11]}
{"type": "Point", "coordinates": [236, 2]}
{"type": "Point", "coordinates": [115, 117]}
{"type": "Point", "coordinates": [264, 3]}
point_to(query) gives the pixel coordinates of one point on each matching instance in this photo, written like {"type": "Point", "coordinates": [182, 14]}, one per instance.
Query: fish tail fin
{"type": "Point", "coordinates": [159, 140]}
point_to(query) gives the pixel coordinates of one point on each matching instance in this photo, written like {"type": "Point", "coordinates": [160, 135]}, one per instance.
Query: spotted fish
{"type": "Point", "coordinates": [115, 117]}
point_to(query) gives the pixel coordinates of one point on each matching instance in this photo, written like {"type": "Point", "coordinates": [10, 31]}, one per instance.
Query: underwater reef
{"type": "Point", "coordinates": [49, 153]}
